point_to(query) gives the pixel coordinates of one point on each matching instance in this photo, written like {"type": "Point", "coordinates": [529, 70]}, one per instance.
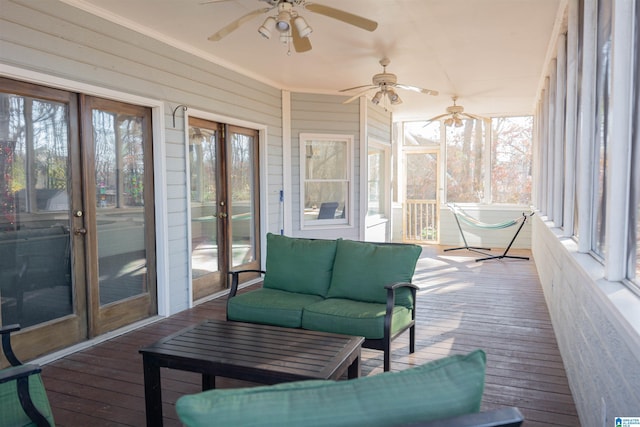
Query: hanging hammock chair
{"type": "Point", "coordinates": [461, 215]}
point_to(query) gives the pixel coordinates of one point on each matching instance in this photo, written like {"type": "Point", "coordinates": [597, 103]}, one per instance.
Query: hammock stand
{"type": "Point", "coordinates": [459, 214]}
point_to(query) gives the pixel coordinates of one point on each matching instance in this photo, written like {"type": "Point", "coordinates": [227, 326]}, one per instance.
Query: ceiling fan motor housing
{"type": "Point", "coordinates": [384, 79]}
{"type": "Point", "coordinates": [455, 109]}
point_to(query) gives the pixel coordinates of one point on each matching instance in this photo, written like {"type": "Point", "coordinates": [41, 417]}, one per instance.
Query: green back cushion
{"type": "Point", "coordinates": [299, 265]}
{"type": "Point", "coordinates": [12, 414]}
{"type": "Point", "coordinates": [446, 387]}
{"type": "Point", "coordinates": [361, 270]}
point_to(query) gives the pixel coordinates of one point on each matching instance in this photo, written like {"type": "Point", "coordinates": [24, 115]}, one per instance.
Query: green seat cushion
{"type": "Point", "coordinates": [342, 316]}
{"type": "Point", "coordinates": [12, 414]}
{"type": "Point", "coordinates": [299, 265]}
{"type": "Point", "coordinates": [270, 306]}
{"type": "Point", "coordinates": [361, 270]}
{"type": "Point", "coordinates": [446, 387]}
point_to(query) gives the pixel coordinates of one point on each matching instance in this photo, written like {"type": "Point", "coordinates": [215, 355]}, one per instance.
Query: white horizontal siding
{"type": "Point", "coordinates": [313, 113]}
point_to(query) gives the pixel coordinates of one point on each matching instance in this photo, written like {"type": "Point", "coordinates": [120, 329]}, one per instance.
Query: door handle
{"type": "Point", "coordinates": [80, 231]}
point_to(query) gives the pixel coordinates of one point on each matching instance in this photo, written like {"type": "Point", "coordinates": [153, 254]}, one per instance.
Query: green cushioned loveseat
{"type": "Point", "coordinates": [439, 390]}
{"type": "Point", "coordinates": [339, 286]}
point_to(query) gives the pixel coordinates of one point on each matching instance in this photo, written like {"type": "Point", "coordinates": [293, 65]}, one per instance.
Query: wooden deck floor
{"type": "Point", "coordinates": [495, 305]}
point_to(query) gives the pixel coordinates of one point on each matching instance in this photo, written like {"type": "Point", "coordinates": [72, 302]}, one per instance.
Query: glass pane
{"type": "Point", "coordinates": [35, 251]}
{"type": "Point", "coordinates": [242, 197]}
{"type": "Point", "coordinates": [204, 222]}
{"type": "Point", "coordinates": [603, 91]}
{"type": "Point", "coordinates": [422, 133]}
{"type": "Point", "coordinates": [465, 171]}
{"type": "Point", "coordinates": [511, 159]}
{"type": "Point", "coordinates": [119, 167]}
{"type": "Point", "coordinates": [326, 160]}
{"type": "Point", "coordinates": [325, 200]}
{"type": "Point", "coordinates": [376, 182]}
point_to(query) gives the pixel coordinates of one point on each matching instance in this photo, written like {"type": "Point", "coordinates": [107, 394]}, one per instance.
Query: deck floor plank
{"type": "Point", "coordinates": [496, 305]}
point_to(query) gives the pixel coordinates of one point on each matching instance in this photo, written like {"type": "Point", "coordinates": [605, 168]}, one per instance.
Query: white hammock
{"type": "Point", "coordinates": [474, 222]}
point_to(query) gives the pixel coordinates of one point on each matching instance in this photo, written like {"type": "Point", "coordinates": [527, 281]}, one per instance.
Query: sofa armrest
{"type": "Point", "coordinates": [504, 417]}
{"type": "Point", "coordinates": [22, 371]}
{"type": "Point", "coordinates": [235, 279]}
{"type": "Point", "coordinates": [5, 331]}
{"type": "Point", "coordinates": [391, 301]}
{"type": "Point", "coordinates": [25, 395]}
{"type": "Point", "coordinates": [391, 294]}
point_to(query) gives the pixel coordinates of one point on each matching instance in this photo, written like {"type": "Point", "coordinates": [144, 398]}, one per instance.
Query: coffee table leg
{"type": "Point", "coordinates": [208, 382]}
{"type": "Point", "coordinates": [152, 392]}
{"type": "Point", "coordinates": [354, 368]}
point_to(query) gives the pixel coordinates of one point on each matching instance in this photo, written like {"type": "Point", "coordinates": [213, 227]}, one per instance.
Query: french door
{"type": "Point", "coordinates": [225, 222]}
{"type": "Point", "coordinates": [118, 202]}
{"type": "Point", "coordinates": [76, 216]}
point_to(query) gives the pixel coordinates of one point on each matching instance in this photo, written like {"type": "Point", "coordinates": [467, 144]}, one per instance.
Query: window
{"type": "Point", "coordinates": [465, 147]}
{"type": "Point", "coordinates": [326, 171]}
{"type": "Point", "coordinates": [511, 160]}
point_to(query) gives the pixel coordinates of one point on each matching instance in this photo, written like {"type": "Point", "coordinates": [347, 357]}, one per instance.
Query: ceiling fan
{"type": "Point", "coordinates": [385, 83]}
{"type": "Point", "coordinates": [289, 24]}
{"type": "Point", "coordinates": [456, 115]}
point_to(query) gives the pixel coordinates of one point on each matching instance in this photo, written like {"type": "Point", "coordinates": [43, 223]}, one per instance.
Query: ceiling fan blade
{"type": "Point", "coordinates": [357, 87]}
{"type": "Point", "coordinates": [358, 95]}
{"type": "Point", "coordinates": [417, 89]}
{"type": "Point", "coordinates": [340, 15]}
{"type": "Point", "coordinates": [300, 44]}
{"type": "Point", "coordinates": [237, 23]}
{"type": "Point", "coordinates": [475, 116]}
{"type": "Point", "coordinates": [437, 117]}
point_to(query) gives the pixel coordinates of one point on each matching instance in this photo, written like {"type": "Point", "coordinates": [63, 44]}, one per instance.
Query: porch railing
{"type": "Point", "coordinates": [420, 221]}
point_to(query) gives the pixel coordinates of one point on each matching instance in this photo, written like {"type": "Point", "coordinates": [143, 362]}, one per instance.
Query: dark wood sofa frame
{"type": "Point", "coordinates": [20, 374]}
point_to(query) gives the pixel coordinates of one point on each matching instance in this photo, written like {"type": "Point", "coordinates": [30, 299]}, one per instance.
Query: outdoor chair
{"type": "Point", "coordinates": [328, 210]}
{"type": "Point", "coordinates": [23, 398]}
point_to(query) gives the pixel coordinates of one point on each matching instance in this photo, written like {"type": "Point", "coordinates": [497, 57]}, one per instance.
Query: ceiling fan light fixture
{"type": "Point", "coordinates": [282, 21]}
{"type": "Point", "coordinates": [394, 97]}
{"type": "Point", "coordinates": [301, 25]}
{"type": "Point", "coordinates": [457, 122]}
{"type": "Point", "coordinates": [449, 121]}
{"type": "Point", "coordinates": [267, 27]}
{"type": "Point", "coordinates": [377, 97]}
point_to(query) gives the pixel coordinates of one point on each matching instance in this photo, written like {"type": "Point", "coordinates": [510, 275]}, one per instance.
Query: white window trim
{"type": "Point", "coordinates": [386, 148]}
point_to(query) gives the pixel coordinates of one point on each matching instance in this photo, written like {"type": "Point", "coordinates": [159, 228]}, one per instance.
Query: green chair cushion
{"type": "Point", "coordinates": [11, 413]}
{"type": "Point", "coordinates": [342, 316]}
{"type": "Point", "coordinates": [270, 306]}
{"type": "Point", "coordinates": [446, 387]}
{"type": "Point", "coordinates": [361, 270]}
{"type": "Point", "coordinates": [299, 265]}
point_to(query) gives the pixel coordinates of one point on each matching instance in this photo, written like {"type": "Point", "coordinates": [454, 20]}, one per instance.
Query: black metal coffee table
{"type": "Point", "coordinates": [250, 352]}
